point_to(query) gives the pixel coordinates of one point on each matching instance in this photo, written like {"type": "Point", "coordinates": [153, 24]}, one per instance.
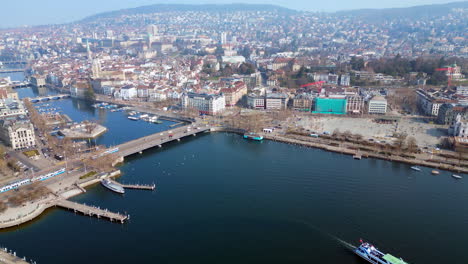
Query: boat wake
{"type": "Point", "coordinates": [340, 241]}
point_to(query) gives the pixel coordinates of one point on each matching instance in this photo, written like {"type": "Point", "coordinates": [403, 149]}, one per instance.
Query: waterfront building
{"type": "Point", "coordinates": [108, 90]}
{"type": "Point", "coordinates": [234, 93]}
{"type": "Point", "coordinates": [79, 89]}
{"type": "Point", "coordinates": [460, 128]}
{"type": "Point", "coordinates": [256, 101]}
{"type": "Point", "coordinates": [17, 132]}
{"type": "Point", "coordinates": [7, 92]}
{"type": "Point", "coordinates": [378, 105]}
{"type": "Point", "coordinates": [303, 102]}
{"type": "Point", "coordinates": [209, 104]}
{"type": "Point", "coordinates": [330, 105]}
{"type": "Point", "coordinates": [276, 101]}
{"type": "Point", "coordinates": [448, 112]}
{"type": "Point", "coordinates": [428, 103]}
{"type": "Point", "coordinates": [354, 104]}
{"type": "Point", "coordinates": [127, 92]}
{"type": "Point", "coordinates": [38, 80]}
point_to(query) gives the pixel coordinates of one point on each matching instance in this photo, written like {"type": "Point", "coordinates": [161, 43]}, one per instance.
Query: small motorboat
{"type": "Point", "coordinates": [457, 176]}
{"type": "Point", "coordinates": [416, 168]}
{"type": "Point", "coordinates": [435, 172]}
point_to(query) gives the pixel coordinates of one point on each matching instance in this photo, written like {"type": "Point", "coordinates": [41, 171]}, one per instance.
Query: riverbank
{"type": "Point", "coordinates": [369, 154]}
{"type": "Point", "coordinates": [13, 217]}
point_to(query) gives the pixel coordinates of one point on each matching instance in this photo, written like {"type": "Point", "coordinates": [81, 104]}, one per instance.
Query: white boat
{"type": "Point", "coordinates": [133, 118]}
{"type": "Point", "coordinates": [416, 168]}
{"type": "Point", "coordinates": [372, 255]}
{"type": "Point", "coordinates": [456, 176]}
{"type": "Point", "coordinates": [113, 186]}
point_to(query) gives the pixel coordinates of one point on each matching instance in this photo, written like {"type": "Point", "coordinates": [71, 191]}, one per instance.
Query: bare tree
{"type": "Point", "coordinates": [411, 144]}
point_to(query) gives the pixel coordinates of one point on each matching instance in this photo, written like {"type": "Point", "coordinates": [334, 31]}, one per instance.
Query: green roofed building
{"type": "Point", "coordinates": [336, 106]}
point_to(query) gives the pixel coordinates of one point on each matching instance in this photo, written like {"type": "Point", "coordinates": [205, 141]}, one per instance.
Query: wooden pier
{"type": "Point", "coordinates": [92, 211]}
{"type": "Point", "coordinates": [149, 187]}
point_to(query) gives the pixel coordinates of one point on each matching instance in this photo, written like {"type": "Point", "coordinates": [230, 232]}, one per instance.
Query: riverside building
{"type": "Point", "coordinates": [209, 104]}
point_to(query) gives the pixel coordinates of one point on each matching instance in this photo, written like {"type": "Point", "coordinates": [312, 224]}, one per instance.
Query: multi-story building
{"type": "Point", "coordinates": [256, 101]}
{"type": "Point", "coordinates": [79, 89]}
{"type": "Point", "coordinates": [234, 93]}
{"type": "Point", "coordinates": [276, 101]}
{"type": "Point", "coordinates": [38, 80]}
{"type": "Point", "coordinates": [428, 104]}
{"type": "Point", "coordinates": [330, 105]}
{"type": "Point", "coordinates": [127, 92]}
{"type": "Point", "coordinates": [460, 127]}
{"type": "Point", "coordinates": [209, 104]}
{"type": "Point", "coordinates": [448, 112]}
{"type": "Point", "coordinates": [378, 105]}
{"type": "Point", "coordinates": [9, 107]}
{"type": "Point", "coordinates": [354, 104]}
{"type": "Point", "coordinates": [303, 102]}
{"type": "Point", "coordinates": [17, 131]}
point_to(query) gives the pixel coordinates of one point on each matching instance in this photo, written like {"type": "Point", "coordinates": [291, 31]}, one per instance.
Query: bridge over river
{"type": "Point", "coordinates": [160, 138]}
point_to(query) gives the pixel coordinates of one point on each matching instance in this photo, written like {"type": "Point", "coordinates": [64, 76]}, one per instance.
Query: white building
{"type": "Point", "coordinates": [460, 128]}
{"type": "Point", "coordinates": [209, 104]}
{"type": "Point", "coordinates": [128, 92]}
{"type": "Point", "coordinates": [256, 101]}
{"type": "Point", "coordinates": [17, 132]}
{"type": "Point", "coordinates": [378, 105]}
{"type": "Point", "coordinates": [9, 107]}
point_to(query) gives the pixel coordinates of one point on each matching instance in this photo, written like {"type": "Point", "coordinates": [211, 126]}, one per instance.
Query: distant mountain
{"type": "Point", "coordinates": [415, 12]}
{"type": "Point", "coordinates": [160, 8]}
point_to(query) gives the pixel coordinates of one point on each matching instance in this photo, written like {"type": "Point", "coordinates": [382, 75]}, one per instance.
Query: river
{"type": "Point", "coordinates": [222, 199]}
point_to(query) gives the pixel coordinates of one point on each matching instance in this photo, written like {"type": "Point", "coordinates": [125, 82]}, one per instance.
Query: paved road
{"type": "Point", "coordinates": [160, 138]}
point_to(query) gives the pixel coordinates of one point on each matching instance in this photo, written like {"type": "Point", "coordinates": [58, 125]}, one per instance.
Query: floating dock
{"type": "Point", "coordinates": [92, 211]}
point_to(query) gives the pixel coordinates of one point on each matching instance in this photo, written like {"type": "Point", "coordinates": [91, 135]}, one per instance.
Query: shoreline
{"type": "Point", "coordinates": [80, 188]}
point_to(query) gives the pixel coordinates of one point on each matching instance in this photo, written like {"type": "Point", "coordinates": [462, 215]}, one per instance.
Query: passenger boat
{"type": "Point", "coordinates": [456, 176]}
{"type": "Point", "coordinates": [374, 256]}
{"type": "Point", "coordinates": [416, 168]}
{"type": "Point", "coordinates": [435, 172]}
{"type": "Point", "coordinates": [253, 136]}
{"type": "Point", "coordinates": [113, 186]}
{"type": "Point", "coordinates": [133, 118]}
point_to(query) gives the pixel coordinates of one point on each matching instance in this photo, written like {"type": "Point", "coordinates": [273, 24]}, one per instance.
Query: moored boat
{"type": "Point", "coordinates": [133, 118]}
{"type": "Point", "coordinates": [416, 168]}
{"type": "Point", "coordinates": [112, 186]}
{"type": "Point", "coordinates": [375, 256]}
{"type": "Point", "coordinates": [456, 176]}
{"type": "Point", "coordinates": [435, 172]}
{"type": "Point", "coordinates": [253, 136]}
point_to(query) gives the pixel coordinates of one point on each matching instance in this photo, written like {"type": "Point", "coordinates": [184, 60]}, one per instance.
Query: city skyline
{"type": "Point", "coordinates": [57, 12]}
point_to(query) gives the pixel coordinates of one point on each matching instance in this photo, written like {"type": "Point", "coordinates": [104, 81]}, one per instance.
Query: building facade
{"type": "Point", "coordinates": [377, 105]}
{"type": "Point", "coordinates": [17, 132]}
{"type": "Point", "coordinates": [354, 104]}
{"type": "Point", "coordinates": [276, 101]}
{"type": "Point", "coordinates": [209, 104]}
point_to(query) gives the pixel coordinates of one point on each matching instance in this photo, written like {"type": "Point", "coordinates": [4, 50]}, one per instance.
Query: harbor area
{"type": "Point", "coordinates": [83, 130]}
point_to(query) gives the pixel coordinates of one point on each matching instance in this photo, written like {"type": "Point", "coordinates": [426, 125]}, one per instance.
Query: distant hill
{"type": "Point", "coordinates": [415, 12]}
{"type": "Point", "coordinates": [160, 8]}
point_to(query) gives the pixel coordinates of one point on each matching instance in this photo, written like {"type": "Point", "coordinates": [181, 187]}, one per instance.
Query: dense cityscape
{"type": "Point", "coordinates": [80, 101]}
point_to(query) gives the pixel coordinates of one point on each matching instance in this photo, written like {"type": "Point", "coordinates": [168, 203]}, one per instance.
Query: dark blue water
{"type": "Point", "coordinates": [221, 199]}
{"type": "Point", "coordinates": [120, 128]}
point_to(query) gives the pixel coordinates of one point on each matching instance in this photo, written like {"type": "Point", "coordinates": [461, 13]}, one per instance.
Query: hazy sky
{"type": "Point", "coordinates": [38, 12]}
